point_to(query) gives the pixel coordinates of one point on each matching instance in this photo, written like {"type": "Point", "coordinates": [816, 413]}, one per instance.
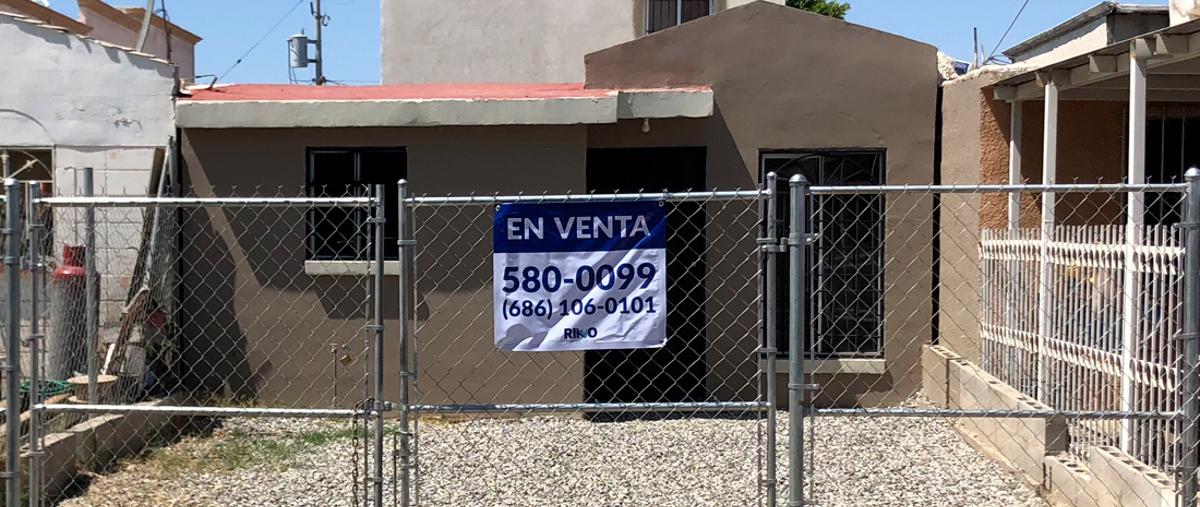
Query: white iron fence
{"type": "Point", "coordinates": [1078, 361]}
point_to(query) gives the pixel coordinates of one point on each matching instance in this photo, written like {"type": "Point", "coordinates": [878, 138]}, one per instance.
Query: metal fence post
{"type": "Point", "coordinates": [1191, 339]}
{"type": "Point", "coordinates": [379, 222]}
{"type": "Point", "coordinates": [403, 259]}
{"type": "Point", "coordinates": [92, 306]}
{"type": "Point", "coordinates": [797, 319]}
{"type": "Point", "coordinates": [35, 344]}
{"type": "Point", "coordinates": [771, 248]}
{"type": "Point", "coordinates": [12, 364]}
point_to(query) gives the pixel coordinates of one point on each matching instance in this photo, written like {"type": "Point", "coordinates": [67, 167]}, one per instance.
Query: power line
{"type": "Point", "coordinates": [1006, 32]}
{"type": "Point", "coordinates": [260, 40]}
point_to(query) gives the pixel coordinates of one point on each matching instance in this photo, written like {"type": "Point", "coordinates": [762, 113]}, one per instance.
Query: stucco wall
{"type": "Point", "coordinates": [183, 53]}
{"type": "Point", "coordinates": [1091, 36]}
{"type": "Point", "coordinates": [795, 80]}
{"type": "Point", "coordinates": [426, 41]}
{"type": "Point", "coordinates": [79, 92]}
{"type": "Point", "coordinates": [975, 150]}
{"type": "Point", "coordinates": [93, 106]}
{"type": "Point", "coordinates": [285, 354]}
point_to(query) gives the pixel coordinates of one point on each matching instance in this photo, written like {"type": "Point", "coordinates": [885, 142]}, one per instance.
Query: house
{"type": "Point", "coordinates": [529, 41]}
{"type": "Point", "coordinates": [1114, 106]}
{"type": "Point", "coordinates": [1106, 23]}
{"type": "Point", "coordinates": [714, 103]}
{"type": "Point", "coordinates": [121, 26]}
{"type": "Point", "coordinates": [78, 97]}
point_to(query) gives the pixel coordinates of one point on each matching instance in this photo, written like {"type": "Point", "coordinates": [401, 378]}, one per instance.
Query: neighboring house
{"type": "Point", "coordinates": [72, 101]}
{"type": "Point", "coordinates": [479, 41]}
{"type": "Point", "coordinates": [1097, 27]}
{"type": "Point", "coordinates": [1107, 326]}
{"type": "Point", "coordinates": [714, 103]}
{"type": "Point", "coordinates": [121, 26]}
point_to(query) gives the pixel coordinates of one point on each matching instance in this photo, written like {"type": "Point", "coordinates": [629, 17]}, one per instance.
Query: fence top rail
{"type": "Point", "coordinates": [714, 195]}
{"type": "Point", "coordinates": [1001, 189]}
{"type": "Point", "coordinates": [199, 202]}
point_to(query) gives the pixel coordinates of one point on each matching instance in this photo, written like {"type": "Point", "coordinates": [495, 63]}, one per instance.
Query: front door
{"type": "Point", "coordinates": [676, 372]}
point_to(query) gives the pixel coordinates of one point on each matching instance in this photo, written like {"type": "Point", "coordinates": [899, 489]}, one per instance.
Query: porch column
{"type": "Point", "coordinates": [1011, 279]}
{"type": "Point", "coordinates": [1049, 173]}
{"type": "Point", "coordinates": [1139, 53]}
{"type": "Point", "coordinates": [1014, 164]}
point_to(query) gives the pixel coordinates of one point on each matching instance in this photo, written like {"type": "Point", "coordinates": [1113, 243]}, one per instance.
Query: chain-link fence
{"type": "Point", "coordinates": [993, 345]}
{"type": "Point", "coordinates": [935, 345]}
{"type": "Point", "coordinates": [199, 350]}
{"type": "Point", "coordinates": [681, 424]}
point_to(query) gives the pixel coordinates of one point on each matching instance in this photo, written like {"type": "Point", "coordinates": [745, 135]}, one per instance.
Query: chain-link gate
{"type": "Point", "coordinates": [196, 350]}
{"type": "Point", "coordinates": [994, 344]}
{"type": "Point", "coordinates": [689, 423]}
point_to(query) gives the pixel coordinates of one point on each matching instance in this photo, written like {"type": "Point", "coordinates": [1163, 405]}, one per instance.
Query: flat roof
{"type": "Point", "coordinates": [1173, 65]}
{"type": "Point", "coordinates": [298, 106]}
{"type": "Point", "coordinates": [1098, 11]}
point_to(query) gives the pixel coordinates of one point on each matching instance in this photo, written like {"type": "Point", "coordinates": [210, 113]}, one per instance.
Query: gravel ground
{"type": "Point", "coordinates": [563, 461]}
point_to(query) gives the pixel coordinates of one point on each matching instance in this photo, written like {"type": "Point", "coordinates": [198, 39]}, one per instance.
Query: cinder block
{"type": "Point", "coordinates": [98, 441]}
{"type": "Point", "coordinates": [128, 159]}
{"type": "Point", "coordinates": [1129, 480]}
{"type": "Point", "coordinates": [1024, 443]}
{"type": "Point", "coordinates": [1069, 482]}
{"type": "Point", "coordinates": [935, 364]}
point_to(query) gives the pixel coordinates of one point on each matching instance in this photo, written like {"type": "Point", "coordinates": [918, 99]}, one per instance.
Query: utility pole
{"type": "Point", "coordinates": [319, 78]}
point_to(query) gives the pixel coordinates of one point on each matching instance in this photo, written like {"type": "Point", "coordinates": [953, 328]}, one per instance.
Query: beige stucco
{"type": "Point", "coordinates": [776, 103]}
{"type": "Point", "coordinates": [431, 41]}
{"type": "Point", "coordinates": [271, 327]}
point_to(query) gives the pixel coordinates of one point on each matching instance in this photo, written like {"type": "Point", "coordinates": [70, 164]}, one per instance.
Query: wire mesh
{"type": "Point", "coordinates": [953, 347]}
{"type": "Point", "coordinates": [661, 426]}
{"type": "Point", "coordinates": [232, 346]}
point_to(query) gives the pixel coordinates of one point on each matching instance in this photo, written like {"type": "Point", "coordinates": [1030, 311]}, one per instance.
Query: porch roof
{"type": "Point", "coordinates": [1173, 70]}
{"type": "Point", "coordinates": [415, 105]}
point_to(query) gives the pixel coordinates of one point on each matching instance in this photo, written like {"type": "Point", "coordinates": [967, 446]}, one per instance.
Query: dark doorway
{"type": "Point", "coordinates": [676, 372]}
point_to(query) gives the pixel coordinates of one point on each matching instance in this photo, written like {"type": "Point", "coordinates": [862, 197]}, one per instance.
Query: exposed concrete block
{"type": "Point", "coordinates": [131, 180]}
{"type": "Point", "coordinates": [100, 441]}
{"type": "Point", "coordinates": [1023, 442]}
{"type": "Point", "coordinates": [935, 378]}
{"type": "Point", "coordinates": [1130, 481]}
{"type": "Point", "coordinates": [1069, 482]}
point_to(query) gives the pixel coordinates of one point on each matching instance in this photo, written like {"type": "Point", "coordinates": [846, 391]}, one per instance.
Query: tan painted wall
{"type": "Point", "coordinates": [258, 317]}
{"type": "Point", "coordinates": [784, 102]}
{"type": "Point", "coordinates": [434, 41]}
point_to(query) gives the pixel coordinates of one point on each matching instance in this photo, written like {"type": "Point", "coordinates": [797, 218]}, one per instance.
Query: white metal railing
{"type": "Point", "coordinates": [1081, 355]}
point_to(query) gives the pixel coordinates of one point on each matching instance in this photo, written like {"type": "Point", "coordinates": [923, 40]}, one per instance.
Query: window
{"type": "Point", "coordinates": [845, 283]}
{"type": "Point", "coordinates": [30, 164]}
{"type": "Point", "coordinates": [663, 14]}
{"type": "Point", "coordinates": [344, 233]}
{"type": "Point", "coordinates": [1168, 156]}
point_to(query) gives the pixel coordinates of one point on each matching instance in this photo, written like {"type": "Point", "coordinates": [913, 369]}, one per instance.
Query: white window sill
{"type": "Point", "coordinates": [349, 268]}
{"type": "Point", "coordinates": [847, 366]}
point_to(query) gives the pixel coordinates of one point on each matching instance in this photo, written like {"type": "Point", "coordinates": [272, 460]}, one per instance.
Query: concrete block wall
{"type": "Point", "coordinates": [1036, 448]}
{"type": "Point", "coordinates": [117, 171]}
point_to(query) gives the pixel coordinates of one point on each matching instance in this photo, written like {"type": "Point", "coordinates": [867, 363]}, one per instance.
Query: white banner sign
{"type": "Point", "coordinates": [580, 276]}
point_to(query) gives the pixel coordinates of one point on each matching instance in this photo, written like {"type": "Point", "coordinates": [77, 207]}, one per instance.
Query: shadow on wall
{"type": "Point", "coordinates": [213, 343]}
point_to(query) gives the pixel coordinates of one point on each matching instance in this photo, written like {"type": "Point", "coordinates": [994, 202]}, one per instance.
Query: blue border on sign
{"type": "Point", "coordinates": [588, 227]}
